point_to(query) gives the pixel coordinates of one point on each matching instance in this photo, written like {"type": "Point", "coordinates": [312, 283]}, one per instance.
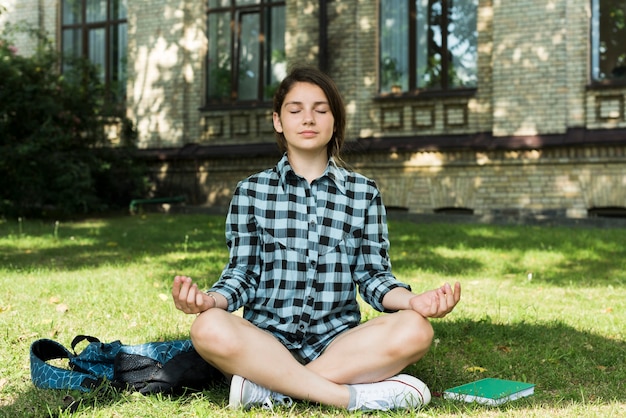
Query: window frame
{"type": "Point", "coordinates": [594, 51]}
{"type": "Point", "coordinates": [263, 8]}
{"type": "Point", "coordinates": [413, 89]}
{"type": "Point", "coordinates": [110, 25]}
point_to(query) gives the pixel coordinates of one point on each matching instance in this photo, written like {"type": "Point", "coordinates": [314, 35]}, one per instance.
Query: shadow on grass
{"type": "Point", "coordinates": [574, 256]}
{"type": "Point", "coordinates": [40, 403]}
{"type": "Point", "coordinates": [173, 242]}
{"type": "Point", "coordinates": [564, 363]}
{"type": "Point", "coordinates": [569, 256]}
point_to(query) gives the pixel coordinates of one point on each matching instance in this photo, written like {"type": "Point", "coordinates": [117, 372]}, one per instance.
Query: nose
{"type": "Point", "coordinates": [308, 118]}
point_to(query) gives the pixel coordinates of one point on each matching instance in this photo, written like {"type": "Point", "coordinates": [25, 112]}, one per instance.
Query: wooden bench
{"type": "Point", "coordinates": [136, 203]}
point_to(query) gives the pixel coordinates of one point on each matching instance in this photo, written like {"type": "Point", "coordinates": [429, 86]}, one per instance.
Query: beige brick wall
{"type": "Point", "coordinates": [166, 44]}
{"type": "Point", "coordinates": [532, 80]}
{"type": "Point", "coordinates": [41, 14]}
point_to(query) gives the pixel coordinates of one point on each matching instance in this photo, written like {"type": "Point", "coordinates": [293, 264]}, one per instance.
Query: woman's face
{"type": "Point", "coordinates": [305, 119]}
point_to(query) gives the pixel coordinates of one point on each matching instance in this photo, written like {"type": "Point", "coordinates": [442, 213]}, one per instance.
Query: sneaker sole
{"type": "Point", "coordinates": [236, 392]}
{"type": "Point", "coordinates": [416, 384]}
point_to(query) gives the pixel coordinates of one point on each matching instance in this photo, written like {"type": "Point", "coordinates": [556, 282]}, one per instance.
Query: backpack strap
{"type": "Point", "coordinates": [80, 338]}
{"type": "Point", "coordinates": [47, 376]}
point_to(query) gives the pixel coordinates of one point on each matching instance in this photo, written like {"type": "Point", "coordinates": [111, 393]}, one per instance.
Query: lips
{"type": "Point", "coordinates": [308, 134]}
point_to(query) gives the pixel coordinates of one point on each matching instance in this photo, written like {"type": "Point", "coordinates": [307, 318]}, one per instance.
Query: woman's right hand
{"type": "Point", "coordinates": [188, 298]}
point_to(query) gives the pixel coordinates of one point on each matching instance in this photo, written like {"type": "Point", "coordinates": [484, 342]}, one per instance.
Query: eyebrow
{"type": "Point", "coordinates": [294, 102]}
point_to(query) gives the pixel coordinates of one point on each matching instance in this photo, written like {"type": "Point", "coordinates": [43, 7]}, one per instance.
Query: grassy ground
{"type": "Point", "coordinates": [540, 304]}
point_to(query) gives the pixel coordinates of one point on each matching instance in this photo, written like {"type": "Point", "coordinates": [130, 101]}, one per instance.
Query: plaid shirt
{"type": "Point", "coordinates": [299, 250]}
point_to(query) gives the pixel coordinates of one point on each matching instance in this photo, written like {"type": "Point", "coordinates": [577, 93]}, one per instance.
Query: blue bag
{"type": "Point", "coordinates": [158, 367]}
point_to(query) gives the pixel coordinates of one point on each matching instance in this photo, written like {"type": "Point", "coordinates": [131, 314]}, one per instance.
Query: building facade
{"type": "Point", "coordinates": [481, 106]}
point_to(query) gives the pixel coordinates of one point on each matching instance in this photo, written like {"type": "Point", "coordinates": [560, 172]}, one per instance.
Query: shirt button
{"type": "Point", "coordinates": [301, 327]}
{"type": "Point", "coordinates": [313, 263]}
{"type": "Point", "coordinates": [312, 225]}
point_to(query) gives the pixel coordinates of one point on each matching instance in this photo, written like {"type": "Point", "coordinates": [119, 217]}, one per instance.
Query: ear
{"type": "Point", "coordinates": [278, 127]}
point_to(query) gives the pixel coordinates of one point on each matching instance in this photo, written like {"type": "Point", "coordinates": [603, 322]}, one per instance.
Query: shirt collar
{"type": "Point", "coordinates": [333, 172]}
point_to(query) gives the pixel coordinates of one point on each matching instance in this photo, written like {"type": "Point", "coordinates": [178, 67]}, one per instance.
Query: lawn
{"type": "Point", "coordinates": [542, 304]}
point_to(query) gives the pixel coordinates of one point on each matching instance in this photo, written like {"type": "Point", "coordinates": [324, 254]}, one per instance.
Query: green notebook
{"type": "Point", "coordinates": [490, 391]}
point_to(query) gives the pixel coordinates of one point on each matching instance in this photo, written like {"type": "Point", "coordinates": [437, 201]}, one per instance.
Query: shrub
{"type": "Point", "coordinates": [54, 154]}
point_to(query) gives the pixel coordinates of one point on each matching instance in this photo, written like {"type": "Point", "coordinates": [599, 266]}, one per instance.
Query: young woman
{"type": "Point", "coordinates": [304, 237]}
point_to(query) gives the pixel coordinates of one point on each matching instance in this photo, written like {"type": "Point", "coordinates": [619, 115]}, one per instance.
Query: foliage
{"type": "Point", "coordinates": [54, 154]}
{"type": "Point", "coordinates": [541, 304]}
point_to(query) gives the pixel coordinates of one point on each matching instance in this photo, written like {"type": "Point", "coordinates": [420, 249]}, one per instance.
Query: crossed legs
{"type": "Point", "coordinates": [370, 352]}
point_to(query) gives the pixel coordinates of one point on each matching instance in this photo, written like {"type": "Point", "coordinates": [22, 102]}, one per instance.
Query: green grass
{"type": "Point", "coordinates": [540, 304]}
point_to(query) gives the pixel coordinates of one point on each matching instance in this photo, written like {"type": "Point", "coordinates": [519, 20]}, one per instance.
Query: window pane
{"type": "Point", "coordinates": [219, 3]}
{"type": "Point", "coordinates": [118, 9]}
{"type": "Point", "coordinates": [97, 50]}
{"type": "Point", "coordinates": [72, 12]}
{"type": "Point", "coordinates": [394, 48]}
{"type": "Point", "coordinates": [249, 60]}
{"type": "Point", "coordinates": [96, 10]}
{"type": "Point", "coordinates": [429, 43]}
{"type": "Point", "coordinates": [247, 2]}
{"type": "Point", "coordinates": [118, 60]}
{"type": "Point", "coordinates": [72, 42]}
{"type": "Point", "coordinates": [276, 71]}
{"type": "Point", "coordinates": [72, 46]}
{"type": "Point", "coordinates": [219, 57]}
{"type": "Point", "coordinates": [462, 43]}
{"type": "Point", "coordinates": [608, 35]}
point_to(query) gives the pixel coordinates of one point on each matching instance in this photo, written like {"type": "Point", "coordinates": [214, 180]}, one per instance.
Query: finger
{"type": "Point", "coordinates": [191, 295]}
{"type": "Point", "coordinates": [452, 296]}
{"type": "Point", "coordinates": [176, 290]}
{"type": "Point", "coordinates": [184, 292]}
{"type": "Point", "coordinates": [457, 292]}
{"type": "Point", "coordinates": [176, 287]}
{"type": "Point", "coordinates": [202, 302]}
{"type": "Point", "coordinates": [442, 304]}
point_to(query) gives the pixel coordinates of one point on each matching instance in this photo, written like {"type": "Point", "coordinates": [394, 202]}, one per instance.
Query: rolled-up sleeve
{"type": "Point", "coordinates": [373, 268]}
{"type": "Point", "coordinates": [239, 279]}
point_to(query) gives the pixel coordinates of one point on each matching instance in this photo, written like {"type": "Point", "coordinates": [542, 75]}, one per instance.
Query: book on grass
{"type": "Point", "coordinates": [490, 391]}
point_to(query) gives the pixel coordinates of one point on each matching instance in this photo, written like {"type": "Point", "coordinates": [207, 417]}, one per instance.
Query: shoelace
{"type": "Point", "coordinates": [384, 400]}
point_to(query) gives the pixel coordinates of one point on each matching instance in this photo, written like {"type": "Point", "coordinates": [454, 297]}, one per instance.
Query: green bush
{"type": "Point", "coordinates": [54, 154]}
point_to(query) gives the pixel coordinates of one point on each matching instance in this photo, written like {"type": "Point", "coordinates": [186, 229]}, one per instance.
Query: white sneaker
{"type": "Point", "coordinates": [397, 392]}
{"type": "Point", "coordinates": [245, 394]}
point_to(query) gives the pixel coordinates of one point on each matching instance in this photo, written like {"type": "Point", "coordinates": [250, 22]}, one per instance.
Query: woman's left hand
{"type": "Point", "coordinates": [437, 303]}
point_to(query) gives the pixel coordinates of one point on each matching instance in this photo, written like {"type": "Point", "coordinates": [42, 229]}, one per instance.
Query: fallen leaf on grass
{"type": "Point", "coordinates": [54, 300]}
{"type": "Point", "coordinates": [504, 348]}
{"type": "Point", "coordinates": [62, 308]}
{"type": "Point", "coordinates": [26, 337]}
{"type": "Point", "coordinates": [473, 369]}
{"type": "Point", "coordinates": [163, 297]}
{"type": "Point", "coordinates": [5, 308]}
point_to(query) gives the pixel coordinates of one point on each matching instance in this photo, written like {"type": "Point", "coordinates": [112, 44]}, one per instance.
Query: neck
{"type": "Point", "coordinates": [309, 166]}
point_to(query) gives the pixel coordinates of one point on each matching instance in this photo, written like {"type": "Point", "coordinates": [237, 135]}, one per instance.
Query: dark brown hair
{"type": "Point", "coordinates": [306, 74]}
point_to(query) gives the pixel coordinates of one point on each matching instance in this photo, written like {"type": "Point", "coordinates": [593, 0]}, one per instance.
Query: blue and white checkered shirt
{"type": "Point", "coordinates": [298, 251]}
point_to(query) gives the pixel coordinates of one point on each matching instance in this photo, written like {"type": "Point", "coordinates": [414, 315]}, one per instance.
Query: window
{"type": "Point", "coordinates": [97, 29]}
{"type": "Point", "coordinates": [428, 45]}
{"type": "Point", "coordinates": [608, 48]}
{"type": "Point", "coordinates": [246, 52]}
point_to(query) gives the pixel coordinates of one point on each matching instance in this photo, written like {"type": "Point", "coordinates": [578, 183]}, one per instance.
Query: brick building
{"type": "Point", "coordinates": [481, 106]}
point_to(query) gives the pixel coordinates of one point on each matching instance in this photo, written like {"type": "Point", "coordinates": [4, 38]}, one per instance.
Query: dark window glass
{"type": "Point", "coordinates": [246, 50]}
{"type": "Point", "coordinates": [608, 40]}
{"type": "Point", "coordinates": [97, 29]}
{"type": "Point", "coordinates": [428, 44]}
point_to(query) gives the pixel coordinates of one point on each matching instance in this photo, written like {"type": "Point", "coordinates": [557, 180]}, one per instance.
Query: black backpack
{"type": "Point", "coordinates": [169, 367]}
